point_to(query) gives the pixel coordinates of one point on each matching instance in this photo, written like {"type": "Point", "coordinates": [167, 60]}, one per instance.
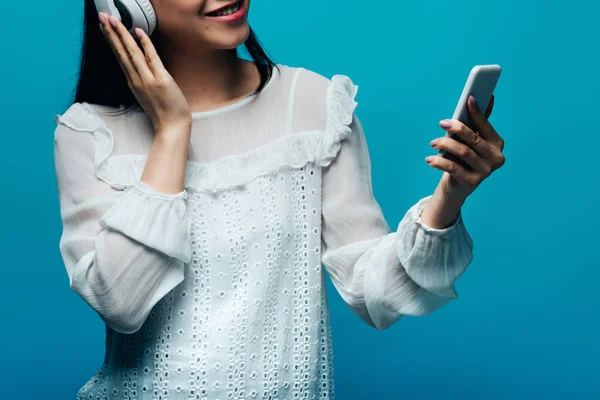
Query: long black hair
{"type": "Point", "coordinates": [101, 79]}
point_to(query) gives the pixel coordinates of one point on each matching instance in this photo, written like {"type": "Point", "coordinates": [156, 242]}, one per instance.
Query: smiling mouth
{"type": "Point", "coordinates": [227, 10]}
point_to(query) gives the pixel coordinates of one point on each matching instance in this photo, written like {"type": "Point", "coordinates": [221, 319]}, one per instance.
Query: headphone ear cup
{"type": "Point", "coordinates": [149, 13]}
{"type": "Point", "coordinates": [124, 14]}
{"type": "Point", "coordinates": [129, 12]}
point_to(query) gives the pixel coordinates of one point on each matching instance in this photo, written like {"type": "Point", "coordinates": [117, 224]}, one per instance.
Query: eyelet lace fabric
{"type": "Point", "coordinates": [219, 292]}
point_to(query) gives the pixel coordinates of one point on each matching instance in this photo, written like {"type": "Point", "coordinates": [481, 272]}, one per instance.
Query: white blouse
{"type": "Point", "coordinates": [218, 292]}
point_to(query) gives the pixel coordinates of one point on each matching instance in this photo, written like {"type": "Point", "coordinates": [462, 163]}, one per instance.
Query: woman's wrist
{"type": "Point", "coordinates": [441, 210]}
{"type": "Point", "coordinates": [171, 134]}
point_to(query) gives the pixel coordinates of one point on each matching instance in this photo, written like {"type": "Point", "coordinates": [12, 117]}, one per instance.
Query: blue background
{"type": "Point", "coordinates": [525, 325]}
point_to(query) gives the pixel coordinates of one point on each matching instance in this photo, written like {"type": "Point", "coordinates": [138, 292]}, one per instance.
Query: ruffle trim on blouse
{"type": "Point", "coordinates": [153, 219]}
{"type": "Point", "coordinates": [433, 258]}
{"type": "Point", "coordinates": [295, 150]}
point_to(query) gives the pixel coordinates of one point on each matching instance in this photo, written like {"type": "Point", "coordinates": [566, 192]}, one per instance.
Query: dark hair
{"type": "Point", "coordinates": [101, 79]}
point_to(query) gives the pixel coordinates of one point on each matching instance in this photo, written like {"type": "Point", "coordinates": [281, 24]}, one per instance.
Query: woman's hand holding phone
{"type": "Point", "coordinates": [471, 149]}
{"type": "Point", "coordinates": [480, 149]}
{"type": "Point", "coordinates": [153, 86]}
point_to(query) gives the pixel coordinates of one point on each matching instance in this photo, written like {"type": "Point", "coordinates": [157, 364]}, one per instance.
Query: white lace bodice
{"type": "Point", "coordinates": [218, 292]}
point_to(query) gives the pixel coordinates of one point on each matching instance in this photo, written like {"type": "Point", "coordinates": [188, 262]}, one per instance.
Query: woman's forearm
{"type": "Point", "coordinates": [441, 210]}
{"type": "Point", "coordinates": [166, 164]}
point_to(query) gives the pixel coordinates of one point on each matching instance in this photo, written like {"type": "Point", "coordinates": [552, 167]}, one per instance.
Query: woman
{"type": "Point", "coordinates": [201, 194]}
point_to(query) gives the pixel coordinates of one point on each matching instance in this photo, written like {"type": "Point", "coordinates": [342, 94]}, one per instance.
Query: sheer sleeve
{"type": "Point", "coordinates": [123, 249]}
{"type": "Point", "coordinates": [379, 273]}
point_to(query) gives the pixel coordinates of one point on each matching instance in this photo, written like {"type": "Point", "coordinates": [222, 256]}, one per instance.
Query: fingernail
{"type": "Point", "coordinates": [113, 22]}
{"type": "Point", "coordinates": [446, 124]}
{"type": "Point", "coordinates": [102, 18]}
{"type": "Point", "coordinates": [138, 32]}
{"type": "Point", "coordinates": [428, 159]}
{"type": "Point", "coordinates": [473, 102]}
{"type": "Point", "coordinates": [433, 142]}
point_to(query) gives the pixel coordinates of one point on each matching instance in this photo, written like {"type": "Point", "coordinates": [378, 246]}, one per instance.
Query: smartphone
{"type": "Point", "coordinates": [481, 84]}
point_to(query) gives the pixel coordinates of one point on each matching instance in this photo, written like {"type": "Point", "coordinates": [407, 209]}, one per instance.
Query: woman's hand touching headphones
{"type": "Point", "coordinates": [153, 86]}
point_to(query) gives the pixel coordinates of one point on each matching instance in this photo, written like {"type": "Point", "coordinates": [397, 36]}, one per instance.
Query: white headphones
{"type": "Point", "coordinates": [132, 13]}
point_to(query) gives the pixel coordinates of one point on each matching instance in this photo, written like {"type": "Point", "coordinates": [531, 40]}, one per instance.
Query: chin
{"type": "Point", "coordinates": [230, 40]}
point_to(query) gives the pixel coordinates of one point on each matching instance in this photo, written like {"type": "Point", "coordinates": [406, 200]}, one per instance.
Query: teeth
{"type": "Point", "coordinates": [228, 11]}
